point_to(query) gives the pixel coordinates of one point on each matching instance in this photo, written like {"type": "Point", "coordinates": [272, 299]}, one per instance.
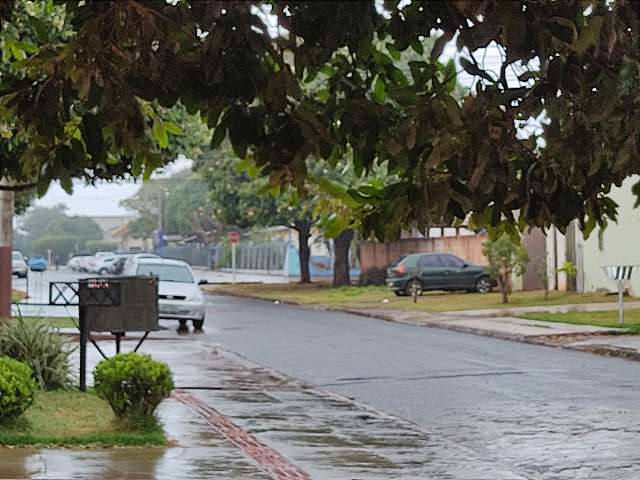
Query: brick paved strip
{"type": "Point", "coordinates": [268, 459]}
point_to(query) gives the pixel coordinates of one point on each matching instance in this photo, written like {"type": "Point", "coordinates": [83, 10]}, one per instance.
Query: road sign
{"type": "Point", "coordinates": [621, 274]}
{"type": "Point", "coordinates": [234, 237]}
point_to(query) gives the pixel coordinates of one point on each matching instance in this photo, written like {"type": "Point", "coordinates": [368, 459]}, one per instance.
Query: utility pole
{"type": "Point", "coordinates": [7, 206]}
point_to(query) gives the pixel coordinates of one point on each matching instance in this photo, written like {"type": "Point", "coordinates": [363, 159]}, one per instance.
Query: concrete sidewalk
{"type": "Point", "coordinates": [600, 340]}
{"type": "Point", "coordinates": [514, 311]}
{"type": "Point", "coordinates": [230, 418]}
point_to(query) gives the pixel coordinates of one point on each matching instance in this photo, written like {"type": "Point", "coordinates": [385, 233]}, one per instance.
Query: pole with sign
{"type": "Point", "coordinates": [234, 239]}
{"type": "Point", "coordinates": [621, 274]}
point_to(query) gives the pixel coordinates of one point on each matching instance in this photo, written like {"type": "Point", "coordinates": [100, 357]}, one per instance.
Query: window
{"type": "Point", "coordinates": [428, 261]}
{"type": "Point", "coordinates": [167, 273]}
{"type": "Point", "coordinates": [16, 256]}
{"type": "Point", "coordinates": [398, 261]}
{"type": "Point", "coordinates": [451, 261]}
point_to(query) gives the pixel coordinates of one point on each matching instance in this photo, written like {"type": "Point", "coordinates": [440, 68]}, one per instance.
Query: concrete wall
{"type": "Point", "coordinates": [620, 243]}
{"type": "Point", "coordinates": [374, 254]}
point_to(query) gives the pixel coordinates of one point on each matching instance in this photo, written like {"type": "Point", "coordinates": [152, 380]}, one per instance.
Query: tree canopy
{"type": "Point", "coordinates": [94, 102]}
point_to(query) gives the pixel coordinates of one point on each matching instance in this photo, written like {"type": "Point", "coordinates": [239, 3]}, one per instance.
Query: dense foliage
{"type": "Point", "coordinates": [97, 98]}
{"type": "Point", "coordinates": [47, 353]}
{"type": "Point", "coordinates": [506, 259]}
{"type": "Point", "coordinates": [16, 388]}
{"type": "Point", "coordinates": [133, 384]}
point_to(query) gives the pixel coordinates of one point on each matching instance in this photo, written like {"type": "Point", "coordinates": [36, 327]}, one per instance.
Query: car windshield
{"type": "Point", "coordinates": [16, 256]}
{"type": "Point", "coordinates": [167, 273]}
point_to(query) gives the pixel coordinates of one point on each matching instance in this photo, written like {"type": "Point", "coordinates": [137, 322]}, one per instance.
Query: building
{"type": "Point", "coordinates": [114, 230]}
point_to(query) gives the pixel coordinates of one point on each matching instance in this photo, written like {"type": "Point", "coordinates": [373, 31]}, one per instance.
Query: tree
{"type": "Point", "coordinates": [45, 228]}
{"type": "Point", "coordinates": [241, 199]}
{"type": "Point", "coordinates": [506, 259]}
{"type": "Point", "coordinates": [126, 61]}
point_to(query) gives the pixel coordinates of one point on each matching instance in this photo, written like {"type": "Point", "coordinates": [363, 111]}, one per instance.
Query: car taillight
{"type": "Point", "coordinates": [400, 270]}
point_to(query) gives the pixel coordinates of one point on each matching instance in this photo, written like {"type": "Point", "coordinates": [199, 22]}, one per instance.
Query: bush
{"type": "Point", "coordinates": [373, 276]}
{"type": "Point", "coordinates": [133, 384]}
{"type": "Point", "coordinates": [46, 352]}
{"type": "Point", "coordinates": [16, 388]}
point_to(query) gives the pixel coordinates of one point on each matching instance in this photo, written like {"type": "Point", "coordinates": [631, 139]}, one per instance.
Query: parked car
{"type": "Point", "coordinates": [118, 265]}
{"type": "Point", "coordinates": [179, 294]}
{"type": "Point", "coordinates": [104, 254]}
{"type": "Point", "coordinates": [135, 257]}
{"type": "Point", "coordinates": [81, 263]}
{"type": "Point", "coordinates": [18, 264]}
{"type": "Point", "coordinates": [420, 272]}
{"type": "Point", "coordinates": [103, 265]}
{"type": "Point", "coordinates": [37, 264]}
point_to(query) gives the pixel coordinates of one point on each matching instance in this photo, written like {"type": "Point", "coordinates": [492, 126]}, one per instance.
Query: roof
{"type": "Point", "coordinates": [160, 261]}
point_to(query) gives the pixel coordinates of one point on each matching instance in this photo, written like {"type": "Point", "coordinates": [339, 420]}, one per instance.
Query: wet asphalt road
{"type": "Point", "coordinates": [541, 412]}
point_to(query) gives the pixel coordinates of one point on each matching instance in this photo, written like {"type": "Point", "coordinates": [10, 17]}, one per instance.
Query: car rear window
{"type": "Point", "coordinates": [167, 273]}
{"type": "Point", "coordinates": [398, 261]}
{"type": "Point", "coordinates": [16, 256]}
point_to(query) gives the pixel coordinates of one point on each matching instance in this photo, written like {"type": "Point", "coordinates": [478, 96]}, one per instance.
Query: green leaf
{"type": "Point", "coordinates": [472, 69]}
{"type": "Point", "coordinates": [453, 110]}
{"type": "Point", "coordinates": [394, 52]}
{"type": "Point", "coordinates": [92, 134]}
{"type": "Point", "coordinates": [173, 128]}
{"type": "Point", "coordinates": [440, 43]}
{"type": "Point", "coordinates": [160, 134]}
{"type": "Point", "coordinates": [219, 134]}
{"type": "Point", "coordinates": [380, 90]}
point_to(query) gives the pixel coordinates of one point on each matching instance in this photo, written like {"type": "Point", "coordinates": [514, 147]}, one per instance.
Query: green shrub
{"type": "Point", "coordinates": [17, 388]}
{"type": "Point", "coordinates": [133, 384]}
{"type": "Point", "coordinates": [47, 353]}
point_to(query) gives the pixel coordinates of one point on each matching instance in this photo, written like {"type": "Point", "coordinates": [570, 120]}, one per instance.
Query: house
{"type": "Point", "coordinates": [114, 229]}
{"type": "Point", "coordinates": [615, 245]}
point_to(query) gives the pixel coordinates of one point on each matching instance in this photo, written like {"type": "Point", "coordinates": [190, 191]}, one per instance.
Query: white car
{"type": "Point", "coordinates": [104, 254]}
{"type": "Point", "coordinates": [18, 264]}
{"type": "Point", "coordinates": [103, 265]}
{"type": "Point", "coordinates": [131, 259]}
{"type": "Point", "coordinates": [179, 294]}
{"type": "Point", "coordinates": [81, 263]}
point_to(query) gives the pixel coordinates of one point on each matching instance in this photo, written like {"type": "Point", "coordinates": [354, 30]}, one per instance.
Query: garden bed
{"type": "Point", "coordinates": [74, 418]}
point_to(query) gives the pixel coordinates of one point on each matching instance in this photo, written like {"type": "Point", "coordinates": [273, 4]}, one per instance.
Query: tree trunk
{"type": "Point", "coordinates": [7, 205]}
{"type": "Point", "coordinates": [504, 288]}
{"type": "Point", "coordinates": [342, 243]}
{"type": "Point", "coordinates": [303, 227]}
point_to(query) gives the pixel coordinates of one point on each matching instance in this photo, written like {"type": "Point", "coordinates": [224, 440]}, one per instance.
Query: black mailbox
{"type": "Point", "coordinates": [122, 304]}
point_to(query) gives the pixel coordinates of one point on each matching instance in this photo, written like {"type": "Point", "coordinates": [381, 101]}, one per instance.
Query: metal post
{"type": "Point", "coordinates": [621, 302]}
{"type": "Point", "coordinates": [118, 338]}
{"type": "Point", "coordinates": [82, 313]}
{"type": "Point", "coordinates": [233, 262]}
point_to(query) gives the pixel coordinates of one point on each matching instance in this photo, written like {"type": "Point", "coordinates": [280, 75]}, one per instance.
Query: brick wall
{"type": "Point", "coordinates": [374, 254]}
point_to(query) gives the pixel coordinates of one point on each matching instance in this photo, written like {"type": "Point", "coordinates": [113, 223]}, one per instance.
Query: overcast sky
{"type": "Point", "coordinates": [104, 199]}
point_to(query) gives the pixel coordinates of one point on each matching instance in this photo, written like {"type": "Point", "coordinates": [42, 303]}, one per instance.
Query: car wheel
{"type": "Point", "coordinates": [414, 287]}
{"type": "Point", "coordinates": [103, 271]}
{"type": "Point", "coordinates": [483, 285]}
{"type": "Point", "coordinates": [197, 324]}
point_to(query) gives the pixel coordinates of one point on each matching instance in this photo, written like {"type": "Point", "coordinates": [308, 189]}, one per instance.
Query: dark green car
{"type": "Point", "coordinates": [420, 272]}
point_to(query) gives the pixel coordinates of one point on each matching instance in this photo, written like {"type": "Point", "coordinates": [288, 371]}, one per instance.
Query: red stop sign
{"type": "Point", "coordinates": [233, 236]}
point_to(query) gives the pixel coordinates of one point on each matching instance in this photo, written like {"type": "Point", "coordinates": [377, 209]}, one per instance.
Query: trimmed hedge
{"type": "Point", "coordinates": [17, 388]}
{"type": "Point", "coordinates": [133, 384]}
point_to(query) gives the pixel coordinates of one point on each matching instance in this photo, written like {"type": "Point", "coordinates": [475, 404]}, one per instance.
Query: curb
{"type": "Point", "coordinates": [542, 340]}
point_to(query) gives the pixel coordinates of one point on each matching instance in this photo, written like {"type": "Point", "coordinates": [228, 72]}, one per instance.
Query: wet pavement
{"type": "Point", "coordinates": [366, 399]}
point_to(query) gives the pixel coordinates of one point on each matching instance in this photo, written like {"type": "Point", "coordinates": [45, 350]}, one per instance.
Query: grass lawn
{"type": "Point", "coordinates": [70, 417]}
{"type": "Point", "coordinates": [372, 297]}
{"type": "Point", "coordinates": [55, 322]}
{"type": "Point", "coordinates": [599, 318]}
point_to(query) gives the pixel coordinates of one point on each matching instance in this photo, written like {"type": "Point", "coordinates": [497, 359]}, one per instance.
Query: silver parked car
{"type": "Point", "coordinates": [18, 264]}
{"type": "Point", "coordinates": [179, 294]}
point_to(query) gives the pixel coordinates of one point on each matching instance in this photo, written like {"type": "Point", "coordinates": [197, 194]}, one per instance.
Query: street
{"type": "Point", "coordinates": [534, 410]}
{"type": "Point", "coordinates": [512, 410]}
